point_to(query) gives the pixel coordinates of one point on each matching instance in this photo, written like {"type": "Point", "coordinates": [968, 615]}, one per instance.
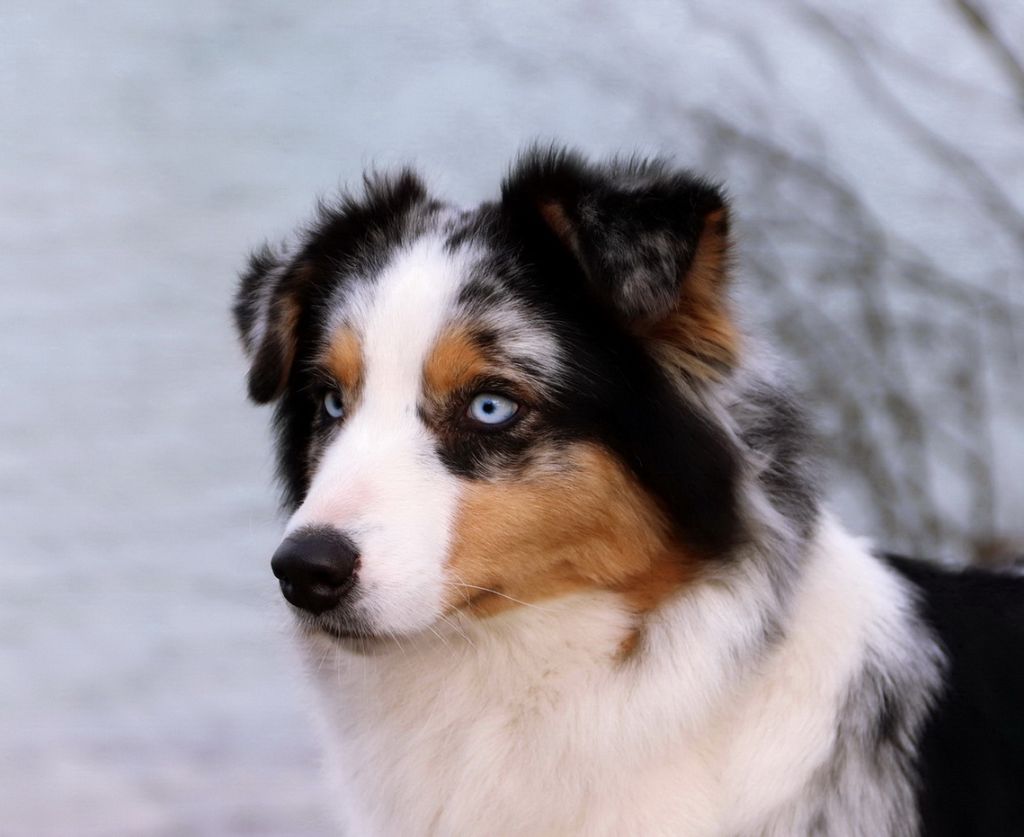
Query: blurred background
{"type": "Point", "coordinates": [875, 155]}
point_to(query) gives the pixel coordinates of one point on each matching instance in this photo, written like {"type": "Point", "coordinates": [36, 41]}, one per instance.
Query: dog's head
{"type": "Point", "coordinates": [483, 408]}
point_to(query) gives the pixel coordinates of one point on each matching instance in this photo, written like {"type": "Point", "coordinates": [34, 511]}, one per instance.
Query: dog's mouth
{"type": "Point", "coordinates": [345, 630]}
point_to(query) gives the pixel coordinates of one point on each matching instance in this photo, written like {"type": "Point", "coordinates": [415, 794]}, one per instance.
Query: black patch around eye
{"type": "Point", "coordinates": [475, 450]}
{"type": "Point", "coordinates": [484, 455]}
{"type": "Point", "coordinates": [685, 461]}
{"type": "Point", "coordinates": [302, 425]}
{"type": "Point", "coordinates": [610, 391]}
{"type": "Point", "coordinates": [295, 423]}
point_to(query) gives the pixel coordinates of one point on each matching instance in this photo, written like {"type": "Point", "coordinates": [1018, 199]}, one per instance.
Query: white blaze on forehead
{"type": "Point", "coordinates": [381, 480]}
{"type": "Point", "coordinates": [414, 299]}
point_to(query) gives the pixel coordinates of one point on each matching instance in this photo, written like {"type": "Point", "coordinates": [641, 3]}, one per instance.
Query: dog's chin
{"type": "Point", "coordinates": [336, 628]}
{"type": "Point", "coordinates": [350, 633]}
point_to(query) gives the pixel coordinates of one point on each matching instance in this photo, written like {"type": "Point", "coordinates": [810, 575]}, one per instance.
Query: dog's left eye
{"type": "Point", "coordinates": [492, 410]}
{"type": "Point", "coordinates": [333, 405]}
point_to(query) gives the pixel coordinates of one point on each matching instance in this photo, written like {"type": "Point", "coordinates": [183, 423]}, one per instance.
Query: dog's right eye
{"type": "Point", "coordinates": [487, 409]}
{"type": "Point", "coordinates": [333, 405]}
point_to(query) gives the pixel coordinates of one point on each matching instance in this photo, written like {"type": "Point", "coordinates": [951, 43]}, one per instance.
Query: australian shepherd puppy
{"type": "Point", "coordinates": [556, 549]}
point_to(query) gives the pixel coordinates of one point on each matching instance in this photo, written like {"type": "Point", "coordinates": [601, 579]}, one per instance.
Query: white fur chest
{"type": "Point", "coordinates": [509, 731]}
{"type": "Point", "coordinates": [530, 724]}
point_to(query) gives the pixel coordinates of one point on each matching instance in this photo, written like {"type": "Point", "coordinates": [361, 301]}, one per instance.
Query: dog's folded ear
{"type": "Point", "coordinates": [652, 242]}
{"type": "Point", "coordinates": [279, 285]}
{"type": "Point", "coordinates": [267, 308]}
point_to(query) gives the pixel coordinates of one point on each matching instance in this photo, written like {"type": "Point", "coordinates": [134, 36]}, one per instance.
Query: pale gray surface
{"type": "Point", "coordinates": [147, 682]}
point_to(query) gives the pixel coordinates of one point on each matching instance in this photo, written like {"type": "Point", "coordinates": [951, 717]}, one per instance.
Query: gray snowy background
{"type": "Point", "coordinates": [875, 154]}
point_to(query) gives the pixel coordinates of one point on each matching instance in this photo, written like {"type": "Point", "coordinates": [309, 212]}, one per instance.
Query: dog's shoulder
{"type": "Point", "coordinates": [971, 758]}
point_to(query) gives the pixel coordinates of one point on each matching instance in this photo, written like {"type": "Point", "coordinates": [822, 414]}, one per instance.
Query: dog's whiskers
{"type": "Point", "coordinates": [457, 628]}
{"type": "Point", "coordinates": [323, 659]}
{"type": "Point", "coordinates": [438, 634]}
{"type": "Point", "coordinates": [394, 635]}
{"type": "Point", "coordinates": [499, 593]}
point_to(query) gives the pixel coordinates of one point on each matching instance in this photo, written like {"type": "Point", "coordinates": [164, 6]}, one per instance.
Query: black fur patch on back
{"type": "Point", "coordinates": [971, 756]}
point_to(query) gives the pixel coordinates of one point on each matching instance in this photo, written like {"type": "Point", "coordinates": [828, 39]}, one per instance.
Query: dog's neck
{"type": "Point", "coordinates": [538, 703]}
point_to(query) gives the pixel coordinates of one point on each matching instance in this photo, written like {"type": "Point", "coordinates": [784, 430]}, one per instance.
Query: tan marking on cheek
{"type": "Point", "coordinates": [453, 363]}
{"type": "Point", "coordinates": [700, 334]}
{"type": "Point", "coordinates": [589, 526]}
{"type": "Point", "coordinates": [344, 360]}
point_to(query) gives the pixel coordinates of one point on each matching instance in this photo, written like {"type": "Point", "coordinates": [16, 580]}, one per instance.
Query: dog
{"type": "Point", "coordinates": [557, 551]}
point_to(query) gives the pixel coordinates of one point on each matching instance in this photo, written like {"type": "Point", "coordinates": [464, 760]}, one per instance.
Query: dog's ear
{"type": "Point", "coordinates": [267, 308]}
{"type": "Point", "coordinates": [651, 241]}
{"type": "Point", "coordinates": [277, 286]}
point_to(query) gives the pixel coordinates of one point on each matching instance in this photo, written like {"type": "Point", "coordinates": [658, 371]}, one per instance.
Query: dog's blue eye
{"type": "Point", "coordinates": [490, 409]}
{"type": "Point", "coordinates": [333, 405]}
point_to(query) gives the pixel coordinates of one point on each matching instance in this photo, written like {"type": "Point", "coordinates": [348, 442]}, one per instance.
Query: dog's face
{"type": "Point", "coordinates": [481, 409]}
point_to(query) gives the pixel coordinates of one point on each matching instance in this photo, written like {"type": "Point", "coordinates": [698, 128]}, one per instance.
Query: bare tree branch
{"type": "Point", "coordinates": [981, 26]}
{"type": "Point", "coordinates": [1002, 209]}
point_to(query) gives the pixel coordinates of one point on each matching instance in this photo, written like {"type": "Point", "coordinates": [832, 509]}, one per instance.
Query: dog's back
{"type": "Point", "coordinates": [970, 757]}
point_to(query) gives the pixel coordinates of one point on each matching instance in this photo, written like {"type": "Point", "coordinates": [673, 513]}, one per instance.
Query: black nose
{"type": "Point", "coordinates": [315, 567]}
